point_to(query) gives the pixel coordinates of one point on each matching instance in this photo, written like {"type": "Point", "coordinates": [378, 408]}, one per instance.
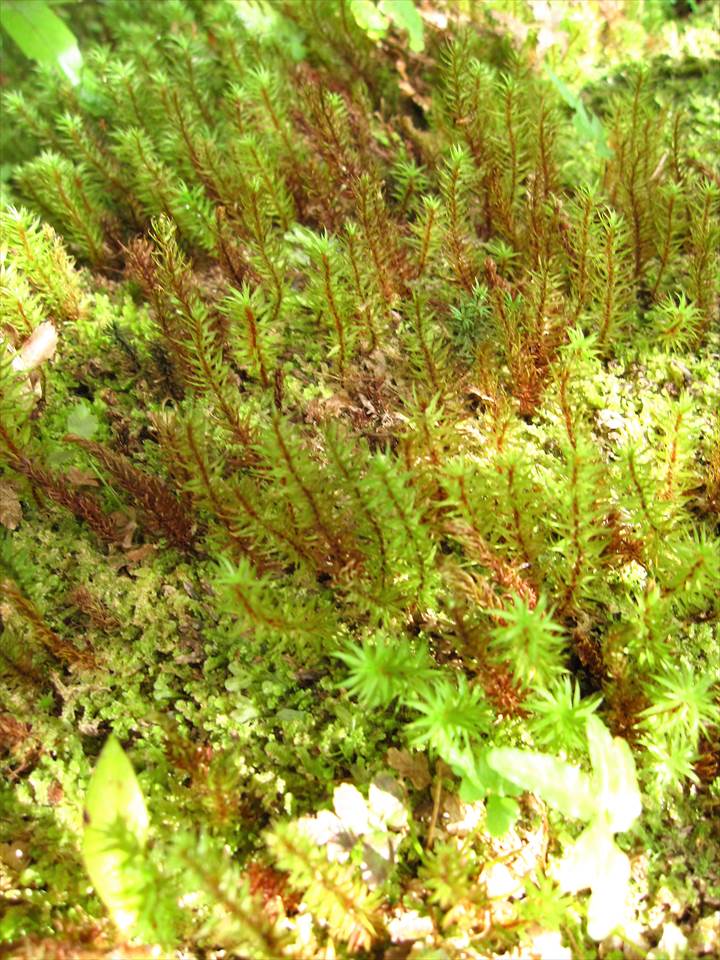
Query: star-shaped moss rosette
{"type": "Point", "coordinates": [378, 824]}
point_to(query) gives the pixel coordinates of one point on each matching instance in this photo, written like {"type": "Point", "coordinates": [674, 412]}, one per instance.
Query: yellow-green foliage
{"type": "Point", "coordinates": [382, 415]}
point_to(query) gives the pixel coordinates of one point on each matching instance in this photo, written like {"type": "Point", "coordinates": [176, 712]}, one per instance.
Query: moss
{"type": "Point", "coordinates": [381, 427]}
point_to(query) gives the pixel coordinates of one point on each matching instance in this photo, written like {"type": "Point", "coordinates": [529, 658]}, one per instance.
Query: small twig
{"type": "Point", "coordinates": [437, 794]}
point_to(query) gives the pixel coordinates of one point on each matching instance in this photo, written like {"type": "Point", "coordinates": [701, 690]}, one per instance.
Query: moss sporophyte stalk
{"type": "Point", "coordinates": [359, 479]}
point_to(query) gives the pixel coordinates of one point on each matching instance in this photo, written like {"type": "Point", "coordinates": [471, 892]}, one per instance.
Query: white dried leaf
{"type": "Point", "coordinates": [385, 802]}
{"type": "Point", "coordinates": [351, 808]}
{"type": "Point", "coordinates": [322, 828]}
{"type": "Point", "coordinates": [326, 830]}
{"type": "Point", "coordinates": [461, 818]}
{"type": "Point", "coordinates": [547, 945]}
{"type": "Point", "coordinates": [378, 859]}
{"type": "Point", "coordinates": [39, 347]}
{"type": "Point", "coordinates": [501, 881]}
{"type": "Point", "coordinates": [410, 926]}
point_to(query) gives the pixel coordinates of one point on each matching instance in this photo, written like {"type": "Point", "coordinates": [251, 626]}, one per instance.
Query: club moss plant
{"type": "Point", "coordinates": [359, 408]}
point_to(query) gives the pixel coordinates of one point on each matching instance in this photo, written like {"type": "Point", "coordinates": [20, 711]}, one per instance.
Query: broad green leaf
{"type": "Point", "coordinates": [405, 15]}
{"type": "Point", "coordinates": [114, 799]}
{"type": "Point", "coordinates": [614, 779]}
{"type": "Point", "coordinates": [369, 18]}
{"type": "Point", "coordinates": [82, 422]}
{"type": "Point", "coordinates": [478, 779]}
{"type": "Point", "coordinates": [568, 95]}
{"type": "Point", "coordinates": [561, 785]}
{"type": "Point", "coordinates": [588, 125]}
{"type": "Point", "coordinates": [591, 130]}
{"type": "Point", "coordinates": [42, 35]}
{"type": "Point", "coordinates": [502, 812]}
{"type": "Point", "coordinates": [470, 790]}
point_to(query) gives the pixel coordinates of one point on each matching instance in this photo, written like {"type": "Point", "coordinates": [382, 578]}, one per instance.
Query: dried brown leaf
{"type": "Point", "coordinates": [10, 509]}
{"type": "Point", "coordinates": [81, 478]}
{"type": "Point", "coordinates": [141, 553]}
{"type": "Point", "coordinates": [412, 766]}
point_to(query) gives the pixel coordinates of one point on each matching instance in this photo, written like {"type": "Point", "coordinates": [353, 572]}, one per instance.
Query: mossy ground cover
{"type": "Point", "coordinates": [360, 476]}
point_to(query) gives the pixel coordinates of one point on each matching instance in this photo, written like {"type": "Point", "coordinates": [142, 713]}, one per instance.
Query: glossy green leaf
{"type": "Point", "coordinates": [587, 125]}
{"type": "Point", "coordinates": [478, 779]}
{"type": "Point", "coordinates": [569, 96]}
{"type": "Point", "coordinates": [502, 812]}
{"type": "Point", "coordinates": [563, 786]}
{"type": "Point", "coordinates": [369, 18]}
{"type": "Point", "coordinates": [42, 35]}
{"type": "Point", "coordinates": [470, 790]}
{"type": "Point", "coordinates": [115, 811]}
{"type": "Point", "coordinates": [405, 15]}
{"type": "Point", "coordinates": [591, 130]}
